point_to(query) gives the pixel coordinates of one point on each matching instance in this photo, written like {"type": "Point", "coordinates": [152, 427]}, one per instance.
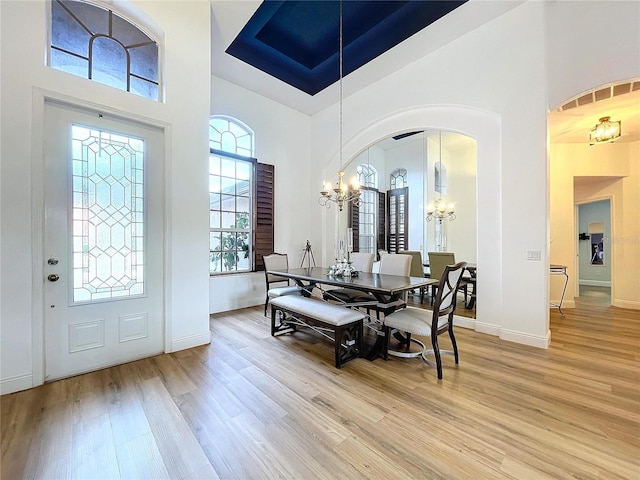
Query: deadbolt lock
{"type": "Point", "coordinates": [53, 277]}
{"type": "Point", "coordinates": [52, 261]}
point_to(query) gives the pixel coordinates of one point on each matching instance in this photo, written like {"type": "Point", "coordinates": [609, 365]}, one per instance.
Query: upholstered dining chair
{"type": "Point", "coordinates": [418, 321]}
{"type": "Point", "coordinates": [417, 269]}
{"type": "Point", "coordinates": [437, 263]}
{"type": "Point", "coordinates": [277, 261]}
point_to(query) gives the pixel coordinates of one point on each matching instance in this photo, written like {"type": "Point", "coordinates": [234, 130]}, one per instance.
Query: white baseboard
{"type": "Point", "coordinates": [526, 339]}
{"type": "Point", "coordinates": [487, 328]}
{"type": "Point", "coordinates": [190, 342]}
{"type": "Point", "coordinates": [626, 304]}
{"type": "Point", "coordinates": [595, 283]}
{"type": "Point", "coordinates": [464, 322]}
{"type": "Point", "coordinates": [16, 383]}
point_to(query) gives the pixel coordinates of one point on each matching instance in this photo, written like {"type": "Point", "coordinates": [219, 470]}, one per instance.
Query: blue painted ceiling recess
{"type": "Point", "coordinates": [298, 41]}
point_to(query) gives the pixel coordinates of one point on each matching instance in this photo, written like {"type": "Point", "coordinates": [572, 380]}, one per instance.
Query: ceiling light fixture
{"type": "Point", "coordinates": [342, 193]}
{"type": "Point", "coordinates": [605, 131]}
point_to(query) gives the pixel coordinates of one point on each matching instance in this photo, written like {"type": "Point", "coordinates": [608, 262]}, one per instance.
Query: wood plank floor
{"type": "Point", "coordinates": [250, 406]}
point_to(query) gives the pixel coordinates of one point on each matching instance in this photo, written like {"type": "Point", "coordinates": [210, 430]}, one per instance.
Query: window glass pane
{"type": "Point", "coordinates": [70, 63]}
{"type": "Point", "coordinates": [66, 33]}
{"type": "Point", "coordinates": [228, 185]}
{"type": "Point", "coordinates": [228, 142]}
{"type": "Point", "coordinates": [228, 203]}
{"type": "Point", "coordinates": [144, 88]}
{"type": "Point", "coordinates": [214, 165]}
{"type": "Point", "coordinates": [109, 64]}
{"type": "Point", "coordinates": [214, 241]}
{"type": "Point", "coordinates": [228, 168]}
{"type": "Point", "coordinates": [214, 219]}
{"type": "Point", "coordinates": [214, 201]}
{"type": "Point", "coordinates": [243, 204]}
{"type": "Point", "coordinates": [228, 220]}
{"type": "Point", "coordinates": [93, 18]}
{"type": "Point", "coordinates": [128, 33]}
{"type": "Point", "coordinates": [243, 171]}
{"type": "Point", "coordinates": [214, 184]}
{"type": "Point", "coordinates": [144, 61]}
{"type": "Point", "coordinates": [242, 188]}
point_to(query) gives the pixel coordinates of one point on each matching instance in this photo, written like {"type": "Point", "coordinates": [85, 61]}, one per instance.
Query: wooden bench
{"type": "Point", "coordinates": [340, 324]}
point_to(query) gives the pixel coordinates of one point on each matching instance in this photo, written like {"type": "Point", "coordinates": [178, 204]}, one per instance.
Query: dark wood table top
{"type": "Point", "coordinates": [367, 282]}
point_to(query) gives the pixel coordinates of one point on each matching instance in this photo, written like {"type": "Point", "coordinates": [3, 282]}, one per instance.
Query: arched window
{"type": "Point", "coordinates": [399, 178]}
{"type": "Point", "coordinates": [231, 180]}
{"type": "Point", "coordinates": [98, 44]}
{"type": "Point", "coordinates": [367, 223]}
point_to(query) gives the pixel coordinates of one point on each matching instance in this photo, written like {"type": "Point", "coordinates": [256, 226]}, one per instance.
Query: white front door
{"type": "Point", "coordinates": [103, 244]}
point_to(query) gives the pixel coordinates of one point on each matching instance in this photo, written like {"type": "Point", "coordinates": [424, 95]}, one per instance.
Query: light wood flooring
{"type": "Point", "coordinates": [250, 406]}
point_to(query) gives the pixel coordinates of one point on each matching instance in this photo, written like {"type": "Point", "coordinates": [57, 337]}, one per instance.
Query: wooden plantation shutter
{"type": "Point", "coordinates": [398, 224]}
{"type": "Point", "coordinates": [264, 232]}
{"type": "Point", "coordinates": [354, 223]}
{"type": "Point", "coordinates": [382, 221]}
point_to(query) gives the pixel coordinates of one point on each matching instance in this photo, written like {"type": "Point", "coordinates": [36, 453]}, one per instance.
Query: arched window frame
{"type": "Point", "coordinates": [398, 178]}
{"type": "Point", "coordinates": [74, 29]}
{"type": "Point", "coordinates": [368, 210]}
{"type": "Point", "coordinates": [231, 196]}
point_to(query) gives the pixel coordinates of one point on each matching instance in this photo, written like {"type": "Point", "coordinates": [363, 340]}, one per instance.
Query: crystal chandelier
{"type": "Point", "coordinates": [342, 193]}
{"type": "Point", "coordinates": [605, 131]}
{"type": "Point", "coordinates": [439, 210]}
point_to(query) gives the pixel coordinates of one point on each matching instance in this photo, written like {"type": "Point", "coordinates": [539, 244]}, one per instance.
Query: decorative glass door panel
{"type": "Point", "coordinates": [108, 214]}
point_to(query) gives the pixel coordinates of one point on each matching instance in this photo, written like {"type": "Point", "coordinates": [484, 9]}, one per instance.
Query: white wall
{"type": "Point", "coordinates": [26, 82]}
{"type": "Point", "coordinates": [469, 95]}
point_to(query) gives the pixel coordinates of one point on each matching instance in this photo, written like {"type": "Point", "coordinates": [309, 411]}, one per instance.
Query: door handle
{"type": "Point", "coordinates": [53, 277]}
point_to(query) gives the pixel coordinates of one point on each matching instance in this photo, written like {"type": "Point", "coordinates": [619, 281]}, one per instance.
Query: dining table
{"type": "Point", "coordinates": [387, 289]}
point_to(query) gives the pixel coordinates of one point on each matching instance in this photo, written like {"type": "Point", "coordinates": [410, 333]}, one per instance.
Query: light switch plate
{"type": "Point", "coordinates": [534, 255]}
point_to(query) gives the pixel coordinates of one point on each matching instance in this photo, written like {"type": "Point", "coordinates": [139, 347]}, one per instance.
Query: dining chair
{"type": "Point", "coordinates": [418, 321]}
{"type": "Point", "coordinates": [437, 263]}
{"type": "Point", "coordinates": [390, 264]}
{"type": "Point", "coordinates": [277, 261]}
{"type": "Point", "coordinates": [417, 268]}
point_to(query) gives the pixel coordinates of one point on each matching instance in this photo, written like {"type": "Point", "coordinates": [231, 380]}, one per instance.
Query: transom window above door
{"type": "Point", "coordinates": [95, 43]}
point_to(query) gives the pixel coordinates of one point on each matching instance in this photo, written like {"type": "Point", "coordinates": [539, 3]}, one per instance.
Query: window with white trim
{"type": "Point", "coordinates": [231, 187]}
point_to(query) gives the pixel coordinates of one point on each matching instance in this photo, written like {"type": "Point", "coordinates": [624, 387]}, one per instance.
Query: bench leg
{"type": "Point", "coordinates": [348, 342]}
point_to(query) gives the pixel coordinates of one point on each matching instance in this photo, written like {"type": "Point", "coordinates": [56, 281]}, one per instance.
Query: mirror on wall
{"type": "Point", "coordinates": [403, 177]}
